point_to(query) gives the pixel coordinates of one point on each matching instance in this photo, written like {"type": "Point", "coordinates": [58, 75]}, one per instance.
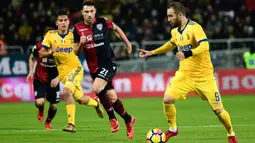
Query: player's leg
{"type": "Point", "coordinates": [86, 100]}
{"type": "Point", "coordinates": [53, 97]}
{"type": "Point", "coordinates": [178, 89]}
{"type": "Point", "coordinates": [39, 92]}
{"type": "Point", "coordinates": [106, 104]}
{"type": "Point", "coordinates": [75, 81]}
{"type": "Point", "coordinates": [208, 90]}
{"type": "Point", "coordinates": [117, 103]}
{"type": "Point", "coordinates": [119, 108]}
{"type": "Point", "coordinates": [70, 106]}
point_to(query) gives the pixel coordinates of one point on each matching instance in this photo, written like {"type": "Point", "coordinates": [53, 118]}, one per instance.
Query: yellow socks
{"type": "Point", "coordinates": [225, 120]}
{"type": "Point", "coordinates": [92, 102]}
{"type": "Point", "coordinates": [170, 114]}
{"type": "Point", "coordinates": [70, 109]}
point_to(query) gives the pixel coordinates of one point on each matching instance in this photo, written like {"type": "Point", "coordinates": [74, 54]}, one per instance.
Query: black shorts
{"type": "Point", "coordinates": [106, 72]}
{"type": "Point", "coordinates": [42, 90]}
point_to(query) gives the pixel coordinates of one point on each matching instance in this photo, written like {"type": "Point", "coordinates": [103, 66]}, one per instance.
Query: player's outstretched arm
{"type": "Point", "coordinates": [120, 34]}
{"type": "Point", "coordinates": [144, 53]}
{"type": "Point", "coordinates": [164, 49]}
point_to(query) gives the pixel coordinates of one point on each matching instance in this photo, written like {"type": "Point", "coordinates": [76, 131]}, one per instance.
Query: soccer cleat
{"type": "Point", "coordinates": [114, 125]}
{"type": "Point", "coordinates": [130, 129]}
{"type": "Point", "coordinates": [48, 125]}
{"type": "Point", "coordinates": [170, 134]}
{"type": "Point", "coordinates": [40, 116]}
{"type": "Point", "coordinates": [69, 128]}
{"type": "Point", "coordinates": [232, 139]}
{"type": "Point", "coordinates": [99, 110]}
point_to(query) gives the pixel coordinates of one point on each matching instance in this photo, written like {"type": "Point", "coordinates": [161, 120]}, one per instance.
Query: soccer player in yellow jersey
{"type": "Point", "coordinates": [59, 44]}
{"type": "Point", "coordinates": [195, 73]}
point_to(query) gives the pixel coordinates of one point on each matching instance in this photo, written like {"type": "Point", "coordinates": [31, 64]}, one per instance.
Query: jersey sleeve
{"type": "Point", "coordinates": [199, 34]}
{"type": "Point", "coordinates": [46, 41]}
{"type": "Point", "coordinates": [35, 51]}
{"type": "Point", "coordinates": [76, 35]}
{"type": "Point", "coordinates": [109, 24]}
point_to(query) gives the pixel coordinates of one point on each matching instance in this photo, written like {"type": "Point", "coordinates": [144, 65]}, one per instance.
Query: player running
{"type": "Point", "coordinates": [195, 73]}
{"type": "Point", "coordinates": [43, 76]}
{"type": "Point", "coordinates": [59, 43]}
{"type": "Point", "coordinates": [92, 35]}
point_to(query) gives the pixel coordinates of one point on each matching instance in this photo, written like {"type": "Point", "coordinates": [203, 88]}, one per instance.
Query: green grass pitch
{"type": "Point", "coordinates": [196, 122]}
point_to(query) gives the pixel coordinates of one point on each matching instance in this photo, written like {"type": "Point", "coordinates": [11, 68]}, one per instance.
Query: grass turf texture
{"type": "Point", "coordinates": [196, 122]}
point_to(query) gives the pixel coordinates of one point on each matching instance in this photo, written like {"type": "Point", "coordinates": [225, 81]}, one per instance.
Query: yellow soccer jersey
{"type": "Point", "coordinates": [190, 38]}
{"type": "Point", "coordinates": [64, 57]}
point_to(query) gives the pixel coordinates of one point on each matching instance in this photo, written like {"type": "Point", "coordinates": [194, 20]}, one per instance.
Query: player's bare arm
{"type": "Point", "coordinates": [31, 67]}
{"type": "Point", "coordinates": [120, 34]}
{"type": "Point", "coordinates": [78, 46]}
{"type": "Point", "coordinates": [54, 82]}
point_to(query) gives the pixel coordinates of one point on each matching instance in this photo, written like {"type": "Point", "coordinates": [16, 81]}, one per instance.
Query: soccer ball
{"type": "Point", "coordinates": [155, 136]}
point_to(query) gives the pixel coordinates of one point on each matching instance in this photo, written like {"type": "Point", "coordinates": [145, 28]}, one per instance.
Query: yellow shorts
{"type": "Point", "coordinates": [205, 87]}
{"type": "Point", "coordinates": [72, 81]}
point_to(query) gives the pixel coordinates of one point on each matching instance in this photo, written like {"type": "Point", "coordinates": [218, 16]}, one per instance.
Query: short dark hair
{"type": "Point", "coordinates": [178, 7]}
{"type": "Point", "coordinates": [89, 3]}
{"type": "Point", "coordinates": [47, 29]}
{"type": "Point", "coordinates": [62, 11]}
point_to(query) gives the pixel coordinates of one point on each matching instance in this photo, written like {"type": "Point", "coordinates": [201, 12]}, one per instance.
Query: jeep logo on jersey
{"type": "Point", "coordinates": [66, 50]}
{"type": "Point", "coordinates": [99, 26]}
{"type": "Point", "coordinates": [185, 47]}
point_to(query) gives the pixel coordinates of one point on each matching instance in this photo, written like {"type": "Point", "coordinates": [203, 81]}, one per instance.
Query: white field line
{"type": "Point", "coordinates": [90, 129]}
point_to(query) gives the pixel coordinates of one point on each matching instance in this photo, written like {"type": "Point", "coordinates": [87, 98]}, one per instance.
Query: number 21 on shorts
{"type": "Point", "coordinates": [104, 72]}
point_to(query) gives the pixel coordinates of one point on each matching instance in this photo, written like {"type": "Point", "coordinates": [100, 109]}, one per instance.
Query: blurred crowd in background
{"type": "Point", "coordinates": [22, 21]}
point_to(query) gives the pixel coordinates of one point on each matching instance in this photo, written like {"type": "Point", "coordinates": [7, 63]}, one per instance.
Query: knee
{"type": "Point", "coordinates": [67, 92]}
{"type": "Point", "coordinates": [39, 102]}
{"type": "Point", "coordinates": [97, 89]}
{"type": "Point", "coordinates": [113, 99]}
{"type": "Point", "coordinates": [53, 106]}
{"type": "Point", "coordinates": [168, 99]}
{"type": "Point", "coordinates": [218, 111]}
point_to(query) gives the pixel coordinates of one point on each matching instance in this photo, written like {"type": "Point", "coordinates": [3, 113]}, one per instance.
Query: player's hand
{"type": "Point", "coordinates": [30, 77]}
{"type": "Point", "coordinates": [83, 39]}
{"type": "Point", "coordinates": [54, 82]}
{"type": "Point", "coordinates": [144, 53]}
{"type": "Point", "coordinates": [180, 56]}
{"type": "Point", "coordinates": [128, 50]}
{"type": "Point", "coordinates": [54, 48]}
